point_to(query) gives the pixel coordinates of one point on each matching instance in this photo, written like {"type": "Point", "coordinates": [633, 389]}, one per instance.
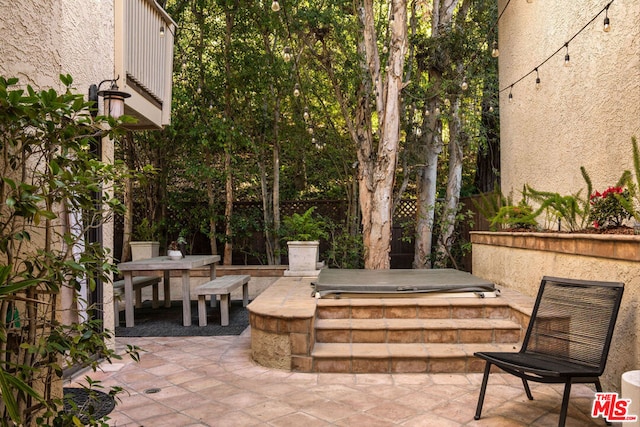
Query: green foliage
{"type": "Point", "coordinates": [145, 231]}
{"type": "Point", "coordinates": [345, 250]}
{"type": "Point", "coordinates": [520, 216]}
{"type": "Point", "coordinates": [49, 175]}
{"type": "Point", "coordinates": [567, 210]}
{"type": "Point", "coordinates": [631, 204]}
{"type": "Point", "coordinates": [303, 227]}
{"type": "Point", "coordinates": [490, 204]}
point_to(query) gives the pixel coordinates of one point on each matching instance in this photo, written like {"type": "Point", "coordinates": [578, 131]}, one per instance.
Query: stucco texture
{"type": "Point", "coordinates": [522, 270]}
{"type": "Point", "coordinates": [41, 40]}
{"type": "Point", "coordinates": [582, 115]}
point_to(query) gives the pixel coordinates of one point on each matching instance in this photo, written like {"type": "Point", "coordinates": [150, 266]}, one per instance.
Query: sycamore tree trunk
{"type": "Point", "coordinates": [378, 165]}
{"type": "Point", "coordinates": [426, 181]}
{"type": "Point", "coordinates": [454, 185]}
{"type": "Point", "coordinates": [442, 15]}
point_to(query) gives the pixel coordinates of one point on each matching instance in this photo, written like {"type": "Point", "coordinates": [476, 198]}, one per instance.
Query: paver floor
{"type": "Point", "coordinates": [212, 381]}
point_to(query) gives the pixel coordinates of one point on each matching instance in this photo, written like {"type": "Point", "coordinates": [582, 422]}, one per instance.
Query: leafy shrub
{"type": "Point", "coordinates": [304, 227]}
{"type": "Point", "coordinates": [607, 209]}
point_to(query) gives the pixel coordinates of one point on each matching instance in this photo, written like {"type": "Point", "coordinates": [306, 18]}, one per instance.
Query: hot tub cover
{"type": "Point", "coordinates": [339, 281]}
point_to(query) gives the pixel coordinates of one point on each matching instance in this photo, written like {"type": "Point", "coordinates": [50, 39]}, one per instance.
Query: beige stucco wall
{"type": "Point", "coordinates": [523, 269]}
{"type": "Point", "coordinates": [43, 39]}
{"type": "Point", "coordinates": [583, 115]}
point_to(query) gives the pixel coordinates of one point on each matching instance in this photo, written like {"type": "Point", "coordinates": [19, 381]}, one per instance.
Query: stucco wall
{"type": "Point", "coordinates": [43, 39]}
{"type": "Point", "coordinates": [583, 115]}
{"type": "Point", "coordinates": [522, 270]}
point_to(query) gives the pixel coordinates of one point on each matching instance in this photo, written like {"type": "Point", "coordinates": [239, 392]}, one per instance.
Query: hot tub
{"type": "Point", "coordinates": [336, 283]}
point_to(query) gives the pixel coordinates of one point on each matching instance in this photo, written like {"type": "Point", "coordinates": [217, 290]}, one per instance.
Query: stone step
{"type": "Point", "coordinates": [451, 331]}
{"type": "Point", "coordinates": [420, 308]}
{"type": "Point", "coordinates": [401, 358]}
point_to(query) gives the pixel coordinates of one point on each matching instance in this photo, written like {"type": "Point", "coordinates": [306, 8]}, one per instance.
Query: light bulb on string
{"type": "Point", "coordinates": [275, 6]}
{"type": "Point", "coordinates": [567, 60]}
{"type": "Point", "coordinates": [494, 50]}
{"type": "Point", "coordinates": [305, 115]}
{"type": "Point", "coordinates": [607, 23]}
{"type": "Point", "coordinates": [296, 90]}
{"type": "Point", "coordinates": [436, 111]}
{"type": "Point", "coordinates": [511, 95]}
{"type": "Point", "coordinates": [464, 85]}
{"type": "Point", "coordinates": [537, 80]}
{"type": "Point", "coordinates": [491, 108]}
{"type": "Point", "coordinates": [286, 54]}
{"type": "Point", "coordinates": [427, 113]}
{"type": "Point", "coordinates": [417, 131]}
{"type": "Point", "coordinates": [310, 130]}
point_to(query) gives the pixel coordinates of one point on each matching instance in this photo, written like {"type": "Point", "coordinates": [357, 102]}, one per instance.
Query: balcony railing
{"type": "Point", "coordinates": [144, 55]}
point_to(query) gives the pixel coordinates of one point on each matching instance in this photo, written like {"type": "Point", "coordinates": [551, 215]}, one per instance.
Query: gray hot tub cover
{"type": "Point", "coordinates": [339, 281]}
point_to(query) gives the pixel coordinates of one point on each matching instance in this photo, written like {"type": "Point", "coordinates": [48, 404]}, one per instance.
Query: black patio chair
{"type": "Point", "coordinates": [567, 340]}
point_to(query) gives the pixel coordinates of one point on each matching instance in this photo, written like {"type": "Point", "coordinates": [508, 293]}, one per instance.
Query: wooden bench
{"type": "Point", "coordinates": [139, 282]}
{"type": "Point", "coordinates": [221, 286]}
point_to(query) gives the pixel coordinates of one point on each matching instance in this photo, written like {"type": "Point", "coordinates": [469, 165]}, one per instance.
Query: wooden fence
{"type": "Point", "coordinates": [250, 244]}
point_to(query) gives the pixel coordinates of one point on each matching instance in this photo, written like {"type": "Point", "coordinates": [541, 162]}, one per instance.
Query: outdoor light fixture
{"type": "Point", "coordinates": [567, 61]}
{"type": "Point", "coordinates": [537, 80]}
{"type": "Point", "coordinates": [296, 90]}
{"type": "Point", "coordinates": [113, 99]}
{"type": "Point", "coordinates": [464, 85]}
{"type": "Point", "coordinates": [511, 94]}
{"type": "Point", "coordinates": [607, 24]}
{"type": "Point", "coordinates": [286, 54]}
{"type": "Point", "coordinates": [162, 31]}
{"type": "Point", "coordinates": [275, 6]}
{"type": "Point", "coordinates": [494, 51]}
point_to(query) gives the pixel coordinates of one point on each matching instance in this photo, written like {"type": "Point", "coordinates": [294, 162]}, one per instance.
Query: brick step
{"type": "Point", "coordinates": [420, 308]}
{"type": "Point", "coordinates": [401, 358]}
{"type": "Point", "coordinates": [450, 331]}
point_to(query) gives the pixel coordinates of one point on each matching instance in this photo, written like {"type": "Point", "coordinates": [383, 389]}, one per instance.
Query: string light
{"type": "Point", "coordinates": [286, 54]}
{"type": "Point", "coordinates": [296, 90]}
{"type": "Point", "coordinates": [567, 59]}
{"type": "Point", "coordinates": [537, 80]}
{"type": "Point", "coordinates": [607, 24]}
{"type": "Point", "coordinates": [511, 94]}
{"type": "Point", "coordinates": [464, 85]}
{"type": "Point", "coordinates": [305, 115]}
{"type": "Point", "coordinates": [494, 51]}
{"type": "Point", "coordinates": [275, 6]}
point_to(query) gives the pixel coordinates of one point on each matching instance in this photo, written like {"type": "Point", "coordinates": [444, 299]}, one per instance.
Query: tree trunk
{"type": "Point", "coordinates": [441, 17]}
{"type": "Point", "coordinates": [454, 185]}
{"type": "Point", "coordinates": [378, 174]}
{"type": "Point", "coordinates": [426, 181]}
{"type": "Point", "coordinates": [228, 209]}
{"type": "Point", "coordinates": [128, 199]}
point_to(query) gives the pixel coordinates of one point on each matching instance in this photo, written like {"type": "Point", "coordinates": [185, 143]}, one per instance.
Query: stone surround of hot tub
{"type": "Point", "coordinates": [283, 324]}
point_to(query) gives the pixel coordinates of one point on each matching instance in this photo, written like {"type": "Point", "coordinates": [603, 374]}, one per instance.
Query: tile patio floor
{"type": "Point", "coordinates": [212, 381]}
